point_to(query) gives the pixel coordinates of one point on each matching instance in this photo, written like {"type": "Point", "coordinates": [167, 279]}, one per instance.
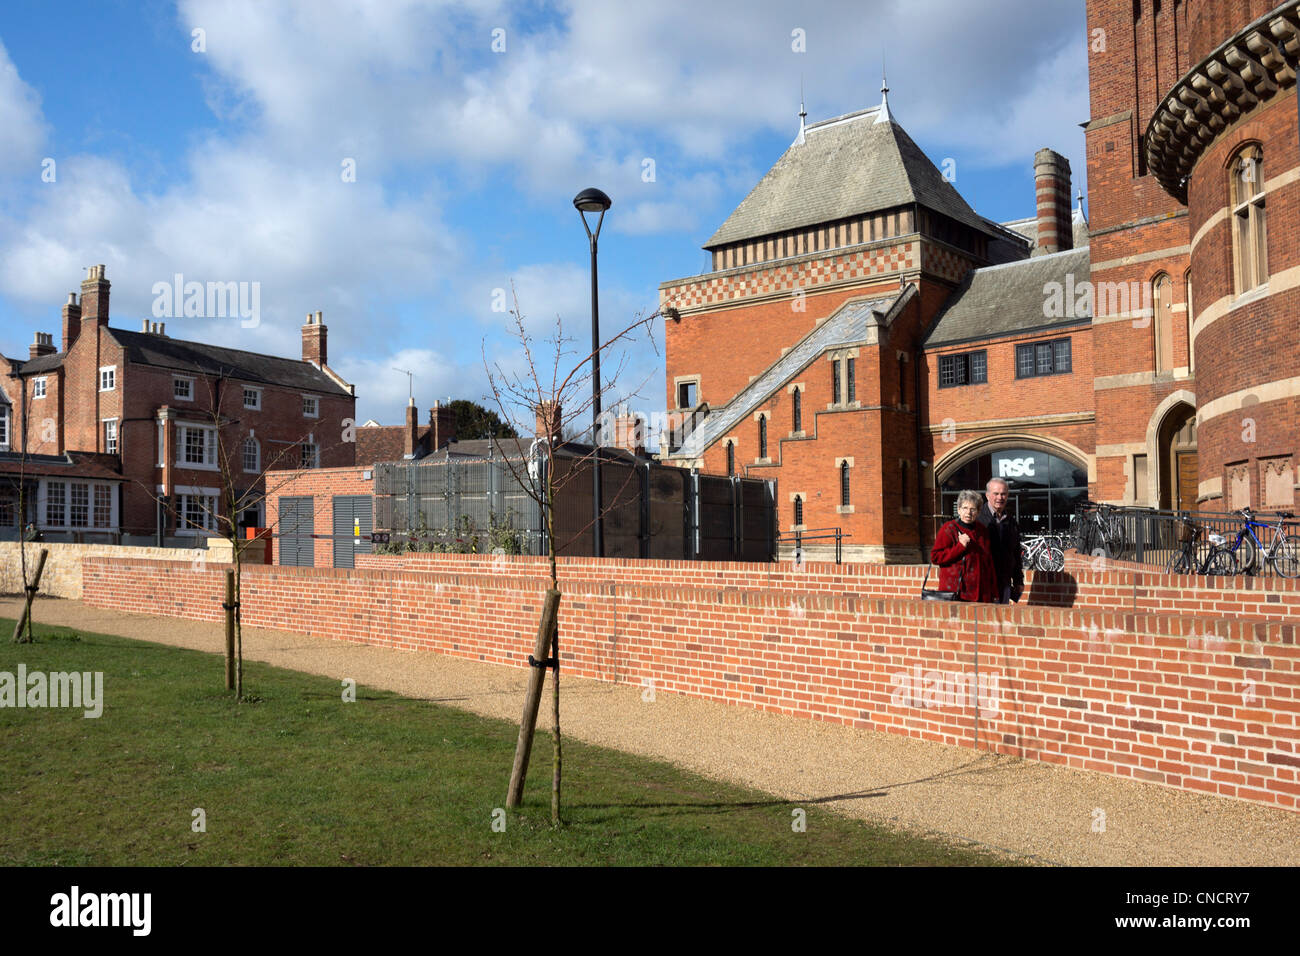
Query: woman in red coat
{"type": "Point", "coordinates": [963, 554]}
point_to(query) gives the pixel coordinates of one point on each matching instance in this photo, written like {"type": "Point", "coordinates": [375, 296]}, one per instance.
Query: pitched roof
{"type": "Point", "coordinates": [844, 167]}
{"type": "Point", "coordinates": [69, 465]}
{"type": "Point", "coordinates": [846, 325]}
{"type": "Point", "coordinates": [42, 363]}
{"type": "Point", "coordinates": [386, 443]}
{"type": "Point", "coordinates": [1009, 298]}
{"type": "Point", "coordinates": [145, 348]}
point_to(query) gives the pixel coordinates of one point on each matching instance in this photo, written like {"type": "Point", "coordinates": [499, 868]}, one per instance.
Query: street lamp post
{"type": "Point", "coordinates": [593, 200]}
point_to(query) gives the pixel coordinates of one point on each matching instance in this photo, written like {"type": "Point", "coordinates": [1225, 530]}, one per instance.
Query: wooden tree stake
{"type": "Point", "coordinates": [26, 619]}
{"type": "Point", "coordinates": [532, 700]}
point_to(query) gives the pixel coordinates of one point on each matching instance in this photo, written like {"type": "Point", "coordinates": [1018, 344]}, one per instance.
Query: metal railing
{"type": "Point", "coordinates": [825, 534]}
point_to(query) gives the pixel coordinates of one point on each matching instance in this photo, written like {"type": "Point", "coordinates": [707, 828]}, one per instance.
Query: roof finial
{"type": "Point", "coordinates": [882, 116]}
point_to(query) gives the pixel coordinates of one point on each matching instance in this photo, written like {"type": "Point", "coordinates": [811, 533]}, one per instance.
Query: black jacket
{"type": "Point", "coordinates": [1004, 539]}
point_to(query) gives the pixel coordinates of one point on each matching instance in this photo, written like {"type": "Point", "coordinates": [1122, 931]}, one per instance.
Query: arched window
{"type": "Point", "coordinates": [252, 455]}
{"type": "Point", "coordinates": [731, 457]}
{"type": "Point", "coordinates": [1249, 230]}
{"type": "Point", "coordinates": [844, 484]}
{"type": "Point", "coordinates": [798, 510]}
{"type": "Point", "coordinates": [902, 381]}
{"type": "Point", "coordinates": [762, 436]}
{"type": "Point", "coordinates": [796, 411]}
{"type": "Point", "coordinates": [902, 468]}
{"type": "Point", "coordinates": [1191, 354]}
{"type": "Point", "coordinates": [835, 381]}
{"type": "Point", "coordinates": [1162, 294]}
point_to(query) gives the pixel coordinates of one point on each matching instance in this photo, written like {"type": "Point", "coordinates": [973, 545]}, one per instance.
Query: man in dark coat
{"type": "Point", "coordinates": [1004, 541]}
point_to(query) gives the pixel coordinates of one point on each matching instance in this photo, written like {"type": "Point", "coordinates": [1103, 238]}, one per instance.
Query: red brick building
{"type": "Point", "coordinates": [875, 345]}
{"type": "Point", "coordinates": [162, 413]}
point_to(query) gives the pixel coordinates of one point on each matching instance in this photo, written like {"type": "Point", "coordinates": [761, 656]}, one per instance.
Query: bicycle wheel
{"type": "Point", "coordinates": [1220, 563]}
{"type": "Point", "coordinates": [1051, 558]}
{"type": "Point", "coordinates": [1182, 563]}
{"type": "Point", "coordinates": [1285, 555]}
{"type": "Point", "coordinates": [1248, 556]}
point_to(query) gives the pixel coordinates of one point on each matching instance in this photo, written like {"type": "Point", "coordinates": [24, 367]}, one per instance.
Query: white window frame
{"type": "Point", "coordinates": [42, 505]}
{"type": "Point", "coordinates": [38, 387]}
{"type": "Point", "coordinates": [209, 510]}
{"type": "Point", "coordinates": [257, 461]}
{"type": "Point", "coordinates": [257, 398]}
{"type": "Point", "coordinates": [4, 428]}
{"type": "Point", "coordinates": [209, 446]}
{"type": "Point", "coordinates": [315, 400]}
{"type": "Point", "coordinates": [310, 443]}
{"type": "Point", "coordinates": [162, 444]}
{"type": "Point", "coordinates": [111, 371]}
{"type": "Point", "coordinates": [176, 380]}
{"type": "Point", "coordinates": [104, 423]}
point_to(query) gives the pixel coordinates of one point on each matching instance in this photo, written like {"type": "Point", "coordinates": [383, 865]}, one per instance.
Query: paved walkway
{"type": "Point", "coordinates": [1037, 813]}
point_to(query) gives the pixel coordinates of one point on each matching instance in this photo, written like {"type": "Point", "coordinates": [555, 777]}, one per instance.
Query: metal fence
{"type": "Point", "coordinates": [1150, 536]}
{"type": "Point", "coordinates": [650, 510]}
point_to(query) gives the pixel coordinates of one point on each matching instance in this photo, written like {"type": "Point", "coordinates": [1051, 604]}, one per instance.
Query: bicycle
{"type": "Point", "coordinates": [1046, 552]}
{"type": "Point", "coordinates": [1218, 561]}
{"type": "Point", "coordinates": [1282, 554]}
{"type": "Point", "coordinates": [1103, 527]}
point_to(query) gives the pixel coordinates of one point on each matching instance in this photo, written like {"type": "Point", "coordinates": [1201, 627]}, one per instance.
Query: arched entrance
{"type": "Point", "coordinates": [1176, 459]}
{"type": "Point", "coordinates": [1044, 487]}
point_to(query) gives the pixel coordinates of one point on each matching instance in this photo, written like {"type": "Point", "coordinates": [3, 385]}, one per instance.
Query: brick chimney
{"type": "Point", "coordinates": [629, 432]}
{"type": "Point", "coordinates": [548, 421]}
{"type": "Point", "coordinates": [313, 341]}
{"type": "Point", "coordinates": [442, 426]}
{"type": "Point", "coordinates": [410, 433]}
{"type": "Point", "coordinates": [42, 344]}
{"type": "Point", "coordinates": [1052, 190]}
{"type": "Point", "coordinates": [71, 321]}
{"type": "Point", "coordinates": [94, 297]}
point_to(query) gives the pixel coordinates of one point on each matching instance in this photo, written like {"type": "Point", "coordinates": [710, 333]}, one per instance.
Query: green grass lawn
{"type": "Point", "coordinates": [299, 777]}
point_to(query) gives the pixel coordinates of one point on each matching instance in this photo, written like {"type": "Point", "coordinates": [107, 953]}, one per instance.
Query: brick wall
{"type": "Point", "coordinates": [322, 484]}
{"type": "Point", "coordinates": [62, 574]}
{"type": "Point", "coordinates": [1199, 703]}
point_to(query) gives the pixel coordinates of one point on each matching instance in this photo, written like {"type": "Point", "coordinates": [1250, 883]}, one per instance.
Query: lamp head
{"type": "Point", "coordinates": [592, 199]}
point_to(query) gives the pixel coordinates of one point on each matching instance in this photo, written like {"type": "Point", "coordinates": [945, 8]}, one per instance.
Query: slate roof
{"type": "Point", "coordinates": [845, 167]}
{"type": "Point", "coordinates": [387, 443]}
{"type": "Point", "coordinates": [1008, 298]}
{"type": "Point", "coordinates": [145, 348]}
{"type": "Point", "coordinates": [69, 465]}
{"type": "Point", "coordinates": [42, 363]}
{"type": "Point", "coordinates": [847, 325]}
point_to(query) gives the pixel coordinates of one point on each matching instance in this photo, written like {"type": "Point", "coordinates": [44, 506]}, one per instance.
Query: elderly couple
{"type": "Point", "coordinates": [978, 552]}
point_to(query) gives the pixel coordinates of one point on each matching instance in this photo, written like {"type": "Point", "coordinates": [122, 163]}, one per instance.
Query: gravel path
{"type": "Point", "coordinates": [1035, 812]}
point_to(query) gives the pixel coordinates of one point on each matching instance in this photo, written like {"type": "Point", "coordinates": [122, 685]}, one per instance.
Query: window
{"type": "Point", "coordinates": [56, 515]}
{"type": "Point", "coordinates": [110, 436]}
{"type": "Point", "coordinates": [103, 506]}
{"type": "Point", "coordinates": [762, 436]}
{"type": "Point", "coordinates": [198, 446]}
{"type": "Point", "coordinates": [902, 380]}
{"type": "Point", "coordinates": [1162, 301]}
{"type": "Point", "coordinates": [108, 378]}
{"type": "Point", "coordinates": [4, 427]}
{"type": "Point", "coordinates": [162, 432]}
{"type": "Point", "coordinates": [183, 389]}
{"type": "Point", "coordinates": [798, 510]}
{"type": "Point", "coordinates": [1191, 354]}
{"type": "Point", "coordinates": [310, 406]}
{"type": "Point", "coordinates": [1249, 229]}
{"type": "Point", "coordinates": [852, 383]}
{"type": "Point", "coordinates": [731, 457]}
{"type": "Point", "coordinates": [686, 394]}
{"type": "Point", "coordinates": [902, 471]}
{"type": "Point", "coordinates": [252, 455]}
{"type": "Point", "coordinates": [835, 381]}
{"type": "Point", "coordinates": [1043, 358]}
{"type": "Point", "coordinates": [844, 484]}
{"type": "Point", "coordinates": [8, 512]}
{"type": "Point", "coordinates": [796, 411]}
{"type": "Point", "coordinates": [253, 398]}
{"type": "Point", "coordinates": [196, 512]}
{"type": "Point", "coordinates": [79, 504]}
{"type": "Point", "coordinates": [969, 368]}
{"type": "Point", "coordinates": [38, 388]}
{"type": "Point", "coordinates": [310, 455]}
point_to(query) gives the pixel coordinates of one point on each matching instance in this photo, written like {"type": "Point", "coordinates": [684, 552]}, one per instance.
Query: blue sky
{"type": "Point", "coordinates": [226, 163]}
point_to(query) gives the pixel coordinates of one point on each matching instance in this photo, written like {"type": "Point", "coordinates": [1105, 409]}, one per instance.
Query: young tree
{"type": "Point", "coordinates": [554, 392]}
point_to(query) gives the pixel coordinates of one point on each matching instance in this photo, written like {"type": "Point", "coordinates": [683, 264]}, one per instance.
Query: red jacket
{"type": "Point", "coordinates": [971, 564]}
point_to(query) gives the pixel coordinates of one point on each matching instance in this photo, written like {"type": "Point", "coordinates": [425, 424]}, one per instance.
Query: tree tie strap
{"type": "Point", "coordinates": [544, 662]}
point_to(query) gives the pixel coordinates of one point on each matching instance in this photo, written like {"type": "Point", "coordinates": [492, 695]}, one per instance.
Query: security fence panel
{"type": "Point", "coordinates": [297, 519]}
{"type": "Point", "coordinates": [669, 513]}
{"type": "Point", "coordinates": [717, 518]}
{"type": "Point", "coordinates": [353, 523]}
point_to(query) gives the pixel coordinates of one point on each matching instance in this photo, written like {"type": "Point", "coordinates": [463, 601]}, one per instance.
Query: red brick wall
{"type": "Point", "coordinates": [322, 484]}
{"type": "Point", "coordinates": [1208, 704]}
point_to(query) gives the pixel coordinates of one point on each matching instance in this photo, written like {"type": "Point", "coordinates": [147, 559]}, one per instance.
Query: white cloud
{"type": "Point", "coordinates": [24, 128]}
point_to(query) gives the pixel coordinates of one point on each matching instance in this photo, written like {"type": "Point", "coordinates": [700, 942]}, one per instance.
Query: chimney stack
{"type": "Point", "coordinates": [42, 344]}
{"type": "Point", "coordinates": [629, 432]}
{"type": "Point", "coordinates": [1052, 191]}
{"type": "Point", "coordinates": [410, 434]}
{"type": "Point", "coordinates": [94, 297]}
{"type": "Point", "coordinates": [442, 426]}
{"type": "Point", "coordinates": [313, 341]}
{"type": "Point", "coordinates": [71, 321]}
{"type": "Point", "coordinates": [548, 421]}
